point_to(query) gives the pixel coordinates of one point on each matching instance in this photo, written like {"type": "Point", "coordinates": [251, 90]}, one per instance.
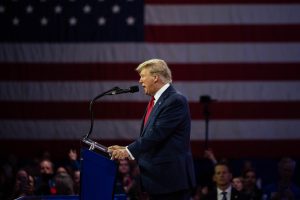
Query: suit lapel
{"type": "Point", "coordinates": [158, 105]}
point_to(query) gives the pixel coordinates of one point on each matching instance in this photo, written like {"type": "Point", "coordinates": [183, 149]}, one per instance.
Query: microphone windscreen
{"type": "Point", "coordinates": [134, 89]}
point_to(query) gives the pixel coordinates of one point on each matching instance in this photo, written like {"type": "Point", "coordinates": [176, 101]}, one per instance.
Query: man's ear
{"type": "Point", "coordinates": [156, 78]}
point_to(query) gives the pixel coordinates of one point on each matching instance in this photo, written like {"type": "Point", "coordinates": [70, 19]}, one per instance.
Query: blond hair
{"type": "Point", "coordinates": [159, 67]}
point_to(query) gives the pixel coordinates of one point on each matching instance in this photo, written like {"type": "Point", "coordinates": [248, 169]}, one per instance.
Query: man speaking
{"type": "Point", "coordinates": [163, 150]}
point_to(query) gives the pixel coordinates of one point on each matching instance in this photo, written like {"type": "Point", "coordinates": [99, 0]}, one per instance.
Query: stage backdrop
{"type": "Point", "coordinates": [55, 56]}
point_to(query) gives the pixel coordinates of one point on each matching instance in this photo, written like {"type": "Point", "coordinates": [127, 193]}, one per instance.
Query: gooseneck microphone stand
{"type": "Point", "coordinates": [86, 139]}
{"type": "Point", "coordinates": [113, 91]}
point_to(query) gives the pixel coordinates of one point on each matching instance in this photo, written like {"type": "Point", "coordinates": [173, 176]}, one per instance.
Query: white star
{"type": "Point", "coordinates": [44, 21]}
{"type": "Point", "coordinates": [116, 9]}
{"type": "Point", "coordinates": [73, 21]}
{"type": "Point", "coordinates": [87, 9]}
{"type": "Point", "coordinates": [2, 9]}
{"type": "Point", "coordinates": [15, 21]}
{"type": "Point", "coordinates": [130, 20]}
{"type": "Point", "coordinates": [29, 9]}
{"type": "Point", "coordinates": [101, 21]}
{"type": "Point", "coordinates": [57, 9]}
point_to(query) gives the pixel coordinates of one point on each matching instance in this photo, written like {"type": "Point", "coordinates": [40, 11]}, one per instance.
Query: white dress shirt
{"type": "Point", "coordinates": [228, 193]}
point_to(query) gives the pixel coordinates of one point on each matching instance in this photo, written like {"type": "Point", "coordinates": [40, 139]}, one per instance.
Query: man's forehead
{"type": "Point", "coordinates": [221, 168]}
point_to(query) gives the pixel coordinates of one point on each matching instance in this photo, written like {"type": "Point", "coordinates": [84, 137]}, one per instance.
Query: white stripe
{"type": "Point", "coordinates": [129, 129]}
{"type": "Point", "coordinates": [85, 91]}
{"type": "Point", "coordinates": [222, 14]}
{"type": "Point", "coordinates": [247, 129]}
{"type": "Point", "coordinates": [138, 52]}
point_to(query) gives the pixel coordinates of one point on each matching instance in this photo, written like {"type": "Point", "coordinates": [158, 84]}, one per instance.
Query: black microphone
{"type": "Point", "coordinates": [131, 89]}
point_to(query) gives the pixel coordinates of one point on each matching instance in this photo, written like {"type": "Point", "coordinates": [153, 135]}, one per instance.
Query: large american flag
{"type": "Point", "coordinates": [55, 56]}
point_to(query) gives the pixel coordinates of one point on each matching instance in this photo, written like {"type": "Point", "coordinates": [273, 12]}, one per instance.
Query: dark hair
{"type": "Point", "coordinates": [248, 170]}
{"type": "Point", "coordinates": [64, 184]}
{"type": "Point", "coordinates": [223, 163]}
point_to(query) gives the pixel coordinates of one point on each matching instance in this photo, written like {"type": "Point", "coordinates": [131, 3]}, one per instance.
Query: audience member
{"type": "Point", "coordinates": [31, 185]}
{"type": "Point", "coordinates": [21, 186]}
{"type": "Point", "coordinates": [223, 189]}
{"type": "Point", "coordinates": [209, 154]}
{"type": "Point", "coordinates": [283, 188]}
{"type": "Point", "coordinates": [64, 184]}
{"type": "Point", "coordinates": [251, 191]}
{"type": "Point", "coordinates": [73, 162]}
{"type": "Point", "coordinates": [45, 184]}
{"type": "Point", "coordinates": [126, 182]}
{"type": "Point", "coordinates": [76, 180]}
{"type": "Point", "coordinates": [206, 169]}
{"type": "Point", "coordinates": [238, 183]}
{"type": "Point", "coordinates": [248, 165]}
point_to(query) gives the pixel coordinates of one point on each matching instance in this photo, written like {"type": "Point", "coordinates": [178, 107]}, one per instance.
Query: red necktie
{"type": "Point", "coordinates": [149, 109]}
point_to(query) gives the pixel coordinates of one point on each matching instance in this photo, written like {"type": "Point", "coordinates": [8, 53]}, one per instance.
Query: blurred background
{"type": "Point", "coordinates": [56, 56]}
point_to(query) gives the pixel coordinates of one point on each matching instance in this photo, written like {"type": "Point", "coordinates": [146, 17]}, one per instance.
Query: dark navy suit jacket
{"type": "Point", "coordinates": [163, 148]}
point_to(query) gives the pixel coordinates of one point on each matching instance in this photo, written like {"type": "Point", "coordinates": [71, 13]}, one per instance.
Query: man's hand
{"type": "Point", "coordinates": [118, 152]}
{"type": "Point", "coordinates": [114, 147]}
{"type": "Point", "coordinates": [209, 154]}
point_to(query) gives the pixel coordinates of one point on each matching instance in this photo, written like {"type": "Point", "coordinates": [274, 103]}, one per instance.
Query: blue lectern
{"type": "Point", "coordinates": [98, 174]}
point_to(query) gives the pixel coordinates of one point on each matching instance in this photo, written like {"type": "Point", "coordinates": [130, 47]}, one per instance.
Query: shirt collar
{"type": "Point", "coordinates": [160, 91]}
{"type": "Point", "coordinates": [228, 190]}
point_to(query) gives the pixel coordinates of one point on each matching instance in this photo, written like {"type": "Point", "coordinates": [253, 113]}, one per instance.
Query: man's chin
{"type": "Point", "coordinates": [145, 92]}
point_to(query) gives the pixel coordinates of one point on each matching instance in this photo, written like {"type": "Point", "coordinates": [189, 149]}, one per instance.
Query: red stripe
{"type": "Point", "coordinates": [249, 148]}
{"type": "Point", "coordinates": [223, 33]}
{"type": "Point", "coordinates": [227, 148]}
{"type": "Point", "coordinates": [67, 71]}
{"type": "Point", "coordinates": [181, 72]}
{"type": "Point", "coordinates": [168, 2]}
{"type": "Point", "coordinates": [135, 110]}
